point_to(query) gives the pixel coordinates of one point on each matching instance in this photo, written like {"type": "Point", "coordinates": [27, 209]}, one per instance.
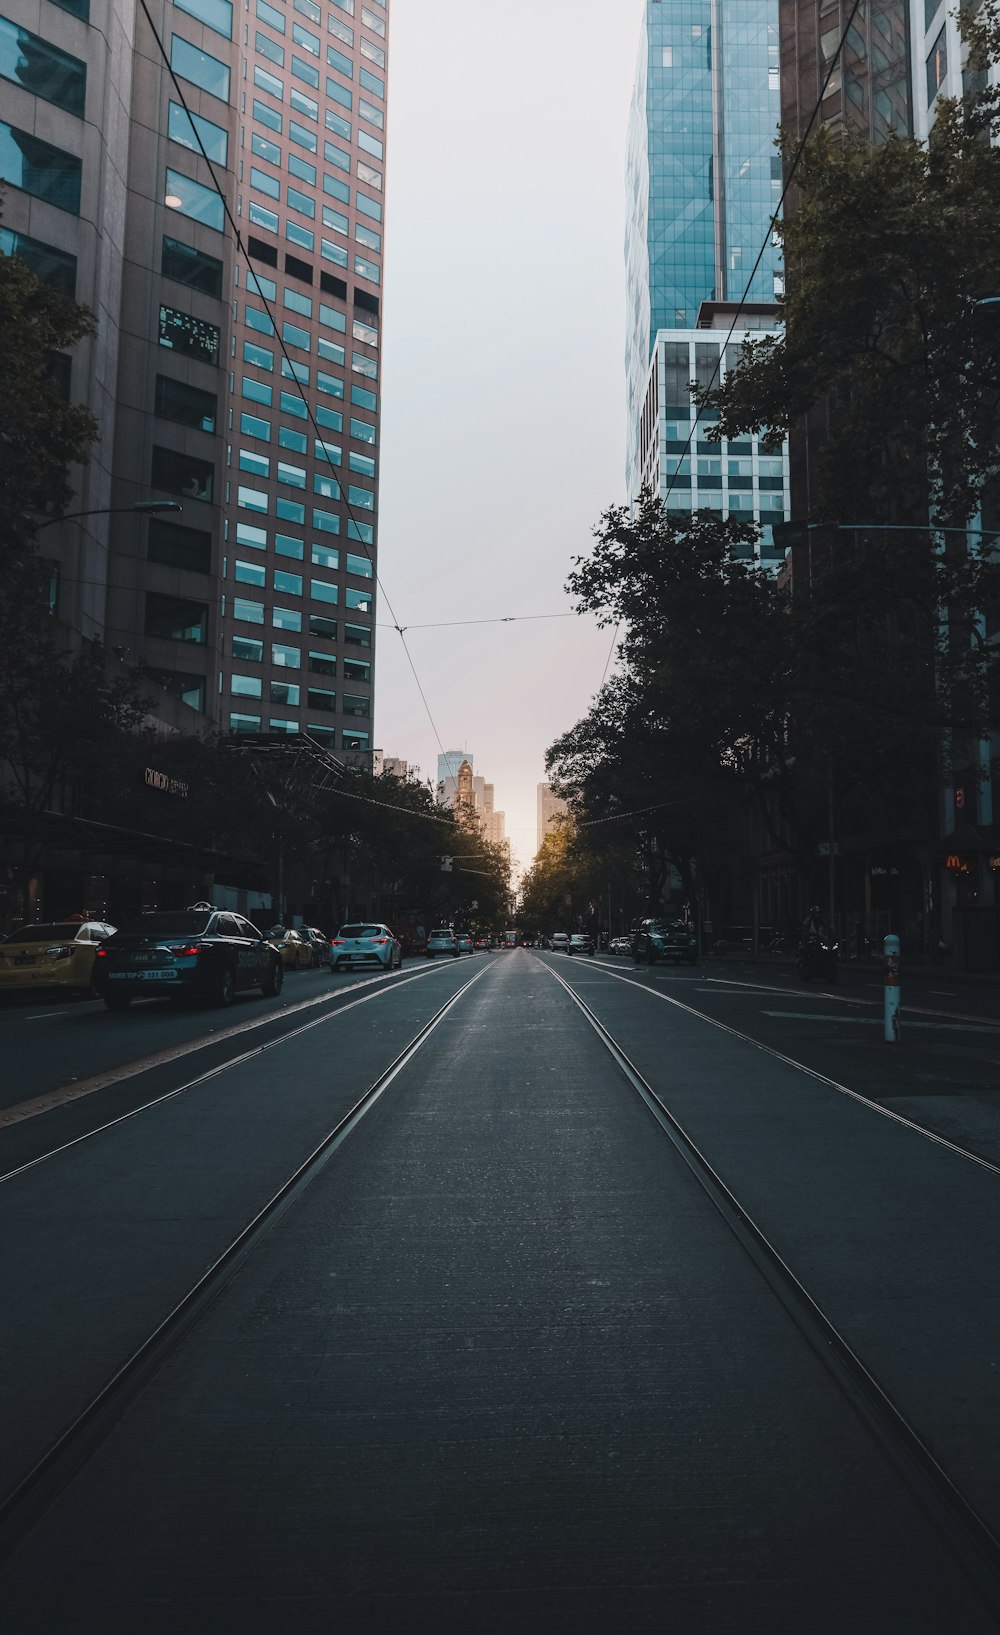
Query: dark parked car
{"type": "Point", "coordinates": [200, 951]}
{"type": "Point", "coordinates": [664, 939]}
{"type": "Point", "coordinates": [318, 942]}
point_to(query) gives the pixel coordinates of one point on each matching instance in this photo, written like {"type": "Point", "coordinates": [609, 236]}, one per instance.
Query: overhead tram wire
{"type": "Point", "coordinates": [279, 338]}
{"type": "Point", "coordinates": [775, 218]}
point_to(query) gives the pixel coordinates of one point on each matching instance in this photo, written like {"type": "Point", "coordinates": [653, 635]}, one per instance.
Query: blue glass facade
{"type": "Point", "coordinates": [703, 175]}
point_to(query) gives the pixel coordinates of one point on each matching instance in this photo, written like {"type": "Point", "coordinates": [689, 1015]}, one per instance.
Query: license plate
{"type": "Point", "coordinates": [24, 959]}
{"type": "Point", "coordinates": [142, 976]}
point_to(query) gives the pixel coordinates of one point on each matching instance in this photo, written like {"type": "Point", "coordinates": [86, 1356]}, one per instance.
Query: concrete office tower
{"type": "Point", "coordinates": [245, 386]}
{"type": "Point", "coordinates": [703, 181]}
{"type": "Point", "coordinates": [549, 808]}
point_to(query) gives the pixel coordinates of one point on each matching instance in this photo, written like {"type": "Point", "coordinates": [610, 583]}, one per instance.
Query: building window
{"type": "Point", "coordinates": [937, 65]}
{"type": "Point", "coordinates": [248, 612]}
{"type": "Point", "coordinates": [187, 405]}
{"type": "Point", "coordinates": [244, 647]}
{"type": "Point", "coordinates": [199, 68]}
{"type": "Point", "coordinates": [244, 723]}
{"type": "Point", "coordinates": [357, 635]}
{"type": "Point", "coordinates": [318, 698]}
{"type": "Point", "coordinates": [321, 591]}
{"type": "Point", "coordinates": [368, 111]}
{"type": "Point", "coordinates": [257, 464]}
{"type": "Point", "coordinates": [357, 670]}
{"type": "Point", "coordinates": [289, 545]}
{"type": "Point", "coordinates": [176, 547]}
{"type": "Point", "coordinates": [268, 82]}
{"type": "Point", "coordinates": [303, 171]}
{"type": "Point", "coordinates": [215, 14]}
{"type": "Point", "coordinates": [262, 217]}
{"type": "Point", "coordinates": [185, 129]}
{"type": "Point", "coordinates": [262, 358]}
{"type": "Point", "coordinates": [252, 499]}
{"type": "Point", "coordinates": [245, 686]}
{"type": "Point", "coordinates": [182, 474]}
{"type": "Point", "coordinates": [323, 664]}
{"type": "Point", "coordinates": [193, 337]}
{"type": "Point", "coordinates": [189, 198]}
{"type": "Point", "coordinates": [359, 565]}
{"type": "Point", "coordinates": [271, 16]}
{"type": "Point", "coordinates": [356, 704]}
{"type": "Point", "coordinates": [286, 618]}
{"type": "Point", "coordinates": [38, 168]}
{"type": "Point", "coordinates": [288, 584]}
{"type": "Point", "coordinates": [297, 441]}
{"type": "Point", "coordinates": [263, 182]}
{"type": "Point", "coordinates": [286, 658]}
{"type": "Point", "coordinates": [186, 265]}
{"type": "Point", "coordinates": [252, 538]}
{"type": "Point", "coordinates": [359, 601]}
{"type": "Point", "coordinates": [355, 740]}
{"type": "Point", "coordinates": [320, 625]}
{"type": "Point", "coordinates": [270, 49]}
{"type": "Point", "coordinates": [175, 619]}
{"type": "Point", "coordinates": [265, 115]}
{"type": "Point", "coordinates": [50, 266]}
{"type": "Point", "coordinates": [54, 76]}
{"type": "Point", "coordinates": [371, 82]}
{"type": "Point", "coordinates": [285, 692]}
{"type": "Point", "coordinates": [324, 556]}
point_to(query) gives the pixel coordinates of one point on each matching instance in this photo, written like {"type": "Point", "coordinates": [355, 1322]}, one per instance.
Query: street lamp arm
{"type": "Point", "coordinates": [139, 508]}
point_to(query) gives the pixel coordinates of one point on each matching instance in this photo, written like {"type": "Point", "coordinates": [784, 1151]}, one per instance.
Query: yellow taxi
{"type": "Point", "coordinates": [58, 954]}
{"type": "Point", "coordinates": [295, 949]}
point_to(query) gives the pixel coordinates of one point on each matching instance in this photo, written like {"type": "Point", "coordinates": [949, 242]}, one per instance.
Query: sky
{"type": "Point", "coordinates": [503, 385]}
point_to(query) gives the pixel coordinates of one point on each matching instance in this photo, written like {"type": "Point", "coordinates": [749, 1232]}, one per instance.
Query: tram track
{"type": "Point", "coordinates": [971, 1541]}
{"type": "Point", "coordinates": [341, 1004]}
{"type": "Point", "coordinates": [858, 1096]}
{"type": "Point", "coordinates": [73, 1447]}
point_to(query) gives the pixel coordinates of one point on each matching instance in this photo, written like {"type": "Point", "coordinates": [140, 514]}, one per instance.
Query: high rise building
{"type": "Point", "coordinates": [549, 809]}
{"type": "Point", "coordinates": [448, 765]}
{"type": "Point", "coordinates": [703, 181]}
{"type": "Point", "coordinates": [243, 385]}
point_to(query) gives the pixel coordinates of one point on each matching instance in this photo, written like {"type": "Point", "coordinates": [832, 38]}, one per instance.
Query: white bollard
{"type": "Point", "coordinates": [890, 951]}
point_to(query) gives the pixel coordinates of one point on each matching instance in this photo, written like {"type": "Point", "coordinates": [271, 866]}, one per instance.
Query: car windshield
{"type": "Point", "coordinates": [445, 933]}
{"type": "Point", "coordinates": [360, 931]}
{"type": "Point", "coordinates": [44, 933]}
{"type": "Point", "coordinates": [182, 923]}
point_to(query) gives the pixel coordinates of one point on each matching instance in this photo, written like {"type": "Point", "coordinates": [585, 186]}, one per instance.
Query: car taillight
{"type": "Point", "coordinates": [381, 941]}
{"type": "Point", "coordinates": [183, 953]}
{"type": "Point", "coordinates": [337, 942]}
{"type": "Point", "coordinates": [102, 953]}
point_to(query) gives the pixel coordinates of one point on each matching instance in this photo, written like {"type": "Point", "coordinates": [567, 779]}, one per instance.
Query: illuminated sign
{"type": "Point", "coordinates": [163, 782]}
{"type": "Point", "coordinates": [957, 864]}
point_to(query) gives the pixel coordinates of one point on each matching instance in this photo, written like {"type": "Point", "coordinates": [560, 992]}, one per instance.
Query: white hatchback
{"type": "Point", "coordinates": [365, 945]}
{"type": "Point", "coordinates": [559, 942]}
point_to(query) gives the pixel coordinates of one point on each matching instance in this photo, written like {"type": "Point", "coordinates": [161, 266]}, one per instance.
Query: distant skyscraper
{"type": "Point", "coordinates": [447, 774]}
{"type": "Point", "coordinates": [703, 181]}
{"type": "Point", "coordinates": [550, 807]}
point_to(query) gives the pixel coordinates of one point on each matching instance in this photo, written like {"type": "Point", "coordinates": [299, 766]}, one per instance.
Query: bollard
{"type": "Point", "coordinates": [890, 950]}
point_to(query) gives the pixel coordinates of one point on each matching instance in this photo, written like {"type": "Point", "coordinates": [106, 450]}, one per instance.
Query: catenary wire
{"type": "Point", "coordinates": [775, 217]}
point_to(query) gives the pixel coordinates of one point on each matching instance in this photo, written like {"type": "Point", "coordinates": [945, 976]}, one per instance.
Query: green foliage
{"type": "Point", "coordinates": [887, 251]}
{"type": "Point", "coordinates": [41, 435]}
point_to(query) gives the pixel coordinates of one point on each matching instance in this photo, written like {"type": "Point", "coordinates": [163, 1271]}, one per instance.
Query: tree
{"type": "Point", "coordinates": [41, 434]}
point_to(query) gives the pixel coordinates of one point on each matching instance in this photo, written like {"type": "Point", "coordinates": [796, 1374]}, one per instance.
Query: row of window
{"type": "Point", "coordinates": [184, 619]}
{"type": "Point", "coordinates": [274, 51]}
{"type": "Point", "coordinates": [253, 724]}
{"type": "Point", "coordinates": [291, 584]}
{"type": "Point", "coordinates": [249, 649]}
{"type": "Point", "coordinates": [290, 693]}
{"type": "Point", "coordinates": [273, 120]}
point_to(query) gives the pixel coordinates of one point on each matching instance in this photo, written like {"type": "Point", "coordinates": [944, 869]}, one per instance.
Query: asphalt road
{"type": "Point", "coordinates": [502, 1364]}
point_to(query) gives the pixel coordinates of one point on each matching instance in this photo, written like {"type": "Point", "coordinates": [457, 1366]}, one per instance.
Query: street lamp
{"type": "Point", "coordinates": [144, 508]}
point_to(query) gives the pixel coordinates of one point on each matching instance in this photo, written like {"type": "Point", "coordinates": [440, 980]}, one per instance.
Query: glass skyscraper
{"type": "Point", "coordinates": [703, 181]}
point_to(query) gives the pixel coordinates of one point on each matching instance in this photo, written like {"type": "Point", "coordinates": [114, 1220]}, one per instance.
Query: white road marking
{"type": "Point", "coordinates": [876, 1021]}
{"type": "Point", "coordinates": [813, 1073]}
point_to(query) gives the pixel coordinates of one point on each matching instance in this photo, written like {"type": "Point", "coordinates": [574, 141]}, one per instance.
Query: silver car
{"type": "Point", "coordinates": [365, 944]}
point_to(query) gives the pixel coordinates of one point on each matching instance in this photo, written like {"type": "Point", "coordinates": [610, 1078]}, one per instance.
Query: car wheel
{"type": "Point", "coordinates": [271, 985]}
{"type": "Point", "coordinates": [224, 987]}
{"type": "Point", "coordinates": [456, 953]}
{"type": "Point", "coordinates": [118, 1001]}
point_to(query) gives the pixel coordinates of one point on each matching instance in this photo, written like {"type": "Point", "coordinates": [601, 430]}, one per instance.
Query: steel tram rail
{"type": "Point", "coordinates": [811, 1072]}
{"type": "Point", "coordinates": [61, 1462]}
{"type": "Point", "coordinates": [382, 985]}
{"type": "Point", "coordinates": [970, 1540]}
